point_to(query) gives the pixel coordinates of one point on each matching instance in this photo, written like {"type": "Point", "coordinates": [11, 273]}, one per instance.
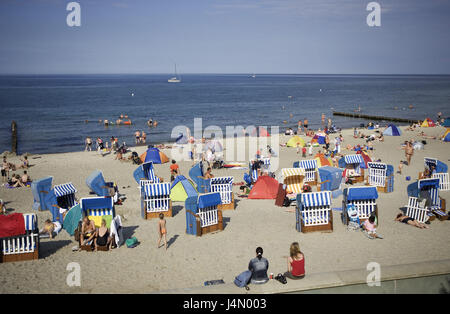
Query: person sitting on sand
{"type": "Point", "coordinates": [102, 236]}
{"type": "Point", "coordinates": [295, 263]}
{"type": "Point", "coordinates": [410, 221]}
{"type": "Point", "coordinates": [25, 178]}
{"type": "Point", "coordinates": [208, 174]}
{"type": "Point", "coordinates": [370, 227]}
{"type": "Point", "coordinates": [259, 266]}
{"type": "Point", "coordinates": [15, 181]}
{"type": "Point", "coordinates": [25, 163]}
{"type": "Point", "coordinates": [162, 230]}
{"type": "Point", "coordinates": [51, 228]}
{"type": "Point", "coordinates": [87, 231]}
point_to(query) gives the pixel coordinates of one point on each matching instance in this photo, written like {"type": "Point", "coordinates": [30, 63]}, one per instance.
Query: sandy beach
{"type": "Point", "coordinates": [190, 260]}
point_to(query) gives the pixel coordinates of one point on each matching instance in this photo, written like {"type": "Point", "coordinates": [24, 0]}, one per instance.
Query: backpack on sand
{"type": "Point", "coordinates": [243, 279]}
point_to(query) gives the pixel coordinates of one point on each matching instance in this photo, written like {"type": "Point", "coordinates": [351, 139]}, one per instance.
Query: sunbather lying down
{"type": "Point", "coordinates": [51, 228]}
{"type": "Point", "coordinates": [410, 221]}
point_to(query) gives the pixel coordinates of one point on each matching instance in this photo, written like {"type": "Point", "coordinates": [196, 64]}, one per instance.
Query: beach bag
{"type": "Point", "coordinates": [243, 279]}
{"type": "Point", "coordinates": [286, 202]}
{"type": "Point", "coordinates": [131, 242]}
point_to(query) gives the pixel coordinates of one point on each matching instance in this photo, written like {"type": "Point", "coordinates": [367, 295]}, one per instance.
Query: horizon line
{"type": "Point", "coordinates": [230, 73]}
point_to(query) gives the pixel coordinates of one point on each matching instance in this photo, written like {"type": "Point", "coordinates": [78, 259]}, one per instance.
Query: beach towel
{"type": "Point", "coordinates": [116, 229]}
{"type": "Point", "coordinates": [12, 225]}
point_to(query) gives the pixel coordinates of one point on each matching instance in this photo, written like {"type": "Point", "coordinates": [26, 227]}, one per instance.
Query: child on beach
{"type": "Point", "coordinates": [162, 230]}
{"type": "Point", "coordinates": [174, 170]}
{"type": "Point", "coordinates": [304, 152]}
{"type": "Point", "coordinates": [370, 227]}
{"type": "Point", "coordinates": [310, 149]}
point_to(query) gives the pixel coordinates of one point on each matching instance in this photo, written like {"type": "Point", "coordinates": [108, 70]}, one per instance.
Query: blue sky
{"type": "Point", "coordinates": [225, 36]}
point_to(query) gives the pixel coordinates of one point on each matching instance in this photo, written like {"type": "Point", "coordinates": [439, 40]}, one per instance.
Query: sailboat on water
{"type": "Point", "coordinates": [174, 79]}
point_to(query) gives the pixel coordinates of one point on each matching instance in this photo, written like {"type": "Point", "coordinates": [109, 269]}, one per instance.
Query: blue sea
{"type": "Point", "coordinates": [51, 110]}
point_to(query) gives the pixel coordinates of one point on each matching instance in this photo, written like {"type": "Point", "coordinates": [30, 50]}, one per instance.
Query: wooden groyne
{"type": "Point", "coordinates": [369, 117]}
{"type": "Point", "coordinates": [14, 137]}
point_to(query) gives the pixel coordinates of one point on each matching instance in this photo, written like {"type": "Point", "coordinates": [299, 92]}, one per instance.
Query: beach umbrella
{"type": "Point", "coordinates": [154, 155]}
{"type": "Point", "coordinates": [392, 130]}
{"type": "Point", "coordinates": [296, 140]}
{"type": "Point", "coordinates": [427, 123]}
{"type": "Point", "coordinates": [446, 137]}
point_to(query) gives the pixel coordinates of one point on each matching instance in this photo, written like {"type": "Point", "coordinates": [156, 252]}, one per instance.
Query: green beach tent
{"type": "Point", "coordinates": [181, 189]}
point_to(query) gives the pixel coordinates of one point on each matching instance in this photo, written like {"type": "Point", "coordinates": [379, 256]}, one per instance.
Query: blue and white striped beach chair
{"type": "Point", "coordinates": [439, 171]}
{"type": "Point", "coordinates": [23, 247]}
{"type": "Point", "coordinates": [265, 166]}
{"type": "Point", "coordinates": [65, 198]}
{"type": "Point", "coordinates": [155, 199]}
{"type": "Point", "coordinates": [353, 162]}
{"type": "Point", "coordinates": [428, 190]}
{"type": "Point", "coordinates": [381, 176]}
{"type": "Point", "coordinates": [310, 168]}
{"type": "Point", "coordinates": [313, 212]}
{"type": "Point", "coordinates": [364, 198]}
{"type": "Point", "coordinates": [417, 210]}
{"type": "Point", "coordinates": [224, 186]}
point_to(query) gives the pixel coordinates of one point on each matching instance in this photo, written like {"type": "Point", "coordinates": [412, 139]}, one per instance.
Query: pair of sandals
{"type": "Point", "coordinates": [281, 278]}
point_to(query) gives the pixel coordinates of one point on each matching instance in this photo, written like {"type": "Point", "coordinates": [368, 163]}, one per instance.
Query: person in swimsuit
{"type": "Point", "coordinates": [137, 134]}
{"type": "Point", "coordinates": [102, 236]}
{"type": "Point", "coordinates": [305, 124]}
{"type": "Point", "coordinates": [295, 263]}
{"type": "Point", "coordinates": [162, 230]}
{"type": "Point", "coordinates": [87, 231]}
{"type": "Point", "coordinates": [410, 221]}
{"type": "Point", "coordinates": [51, 228]}
{"type": "Point", "coordinates": [409, 151]}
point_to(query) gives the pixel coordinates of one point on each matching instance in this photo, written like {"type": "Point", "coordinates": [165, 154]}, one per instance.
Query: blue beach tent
{"type": "Point", "coordinates": [392, 130]}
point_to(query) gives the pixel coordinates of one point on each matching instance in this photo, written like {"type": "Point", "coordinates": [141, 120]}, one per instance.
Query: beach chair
{"type": "Point", "coordinates": [438, 170]}
{"type": "Point", "coordinates": [41, 191]}
{"type": "Point", "coordinates": [434, 166]}
{"type": "Point", "coordinates": [429, 189]}
{"type": "Point", "coordinates": [196, 174]}
{"type": "Point", "coordinates": [364, 199]}
{"type": "Point", "coordinates": [310, 168]}
{"type": "Point", "coordinates": [313, 212]}
{"type": "Point", "coordinates": [265, 164]}
{"type": "Point", "coordinates": [417, 210]}
{"type": "Point", "coordinates": [293, 179]}
{"type": "Point", "coordinates": [352, 163]}
{"type": "Point", "coordinates": [100, 187]}
{"type": "Point", "coordinates": [97, 208]}
{"type": "Point", "coordinates": [23, 247]}
{"type": "Point", "coordinates": [444, 181]}
{"type": "Point", "coordinates": [155, 199]}
{"type": "Point", "coordinates": [146, 173]}
{"type": "Point", "coordinates": [65, 198]}
{"type": "Point", "coordinates": [381, 176]}
{"type": "Point", "coordinates": [224, 186]}
{"type": "Point", "coordinates": [202, 214]}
